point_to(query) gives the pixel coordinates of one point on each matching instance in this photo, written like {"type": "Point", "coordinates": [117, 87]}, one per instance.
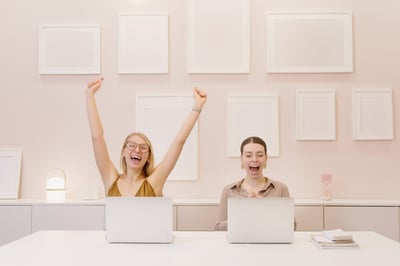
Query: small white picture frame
{"type": "Point", "coordinates": [319, 42]}
{"type": "Point", "coordinates": [218, 36]}
{"type": "Point", "coordinates": [69, 49]}
{"type": "Point", "coordinates": [253, 115]}
{"type": "Point", "coordinates": [10, 172]}
{"type": "Point", "coordinates": [143, 44]}
{"type": "Point", "coordinates": [315, 114]}
{"type": "Point", "coordinates": [372, 114]}
{"type": "Point", "coordinates": [160, 117]}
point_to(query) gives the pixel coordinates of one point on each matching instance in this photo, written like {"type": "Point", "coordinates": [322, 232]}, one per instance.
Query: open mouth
{"type": "Point", "coordinates": [136, 158]}
{"type": "Point", "coordinates": [254, 168]}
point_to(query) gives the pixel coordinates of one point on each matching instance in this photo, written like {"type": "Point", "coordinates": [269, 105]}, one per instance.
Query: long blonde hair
{"type": "Point", "coordinates": [148, 168]}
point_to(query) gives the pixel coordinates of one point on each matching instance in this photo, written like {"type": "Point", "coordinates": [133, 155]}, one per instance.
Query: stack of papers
{"type": "Point", "coordinates": [334, 239]}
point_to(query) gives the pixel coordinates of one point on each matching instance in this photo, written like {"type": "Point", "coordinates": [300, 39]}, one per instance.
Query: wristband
{"type": "Point", "coordinates": [195, 109]}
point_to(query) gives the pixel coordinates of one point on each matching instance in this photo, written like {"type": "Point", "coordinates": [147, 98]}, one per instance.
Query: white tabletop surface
{"type": "Point", "coordinates": [76, 248]}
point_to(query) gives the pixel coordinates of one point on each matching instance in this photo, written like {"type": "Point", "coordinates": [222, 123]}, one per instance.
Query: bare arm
{"type": "Point", "coordinates": [222, 223]}
{"type": "Point", "coordinates": [107, 170]}
{"type": "Point", "coordinates": [158, 178]}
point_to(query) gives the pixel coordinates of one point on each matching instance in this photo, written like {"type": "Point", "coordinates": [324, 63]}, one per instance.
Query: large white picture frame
{"type": "Point", "coordinates": [315, 114]}
{"type": "Point", "coordinates": [219, 36]}
{"type": "Point", "coordinates": [309, 42]}
{"type": "Point", "coordinates": [143, 44]}
{"type": "Point", "coordinates": [372, 114]}
{"type": "Point", "coordinates": [160, 117]}
{"type": "Point", "coordinates": [10, 172]}
{"type": "Point", "coordinates": [253, 115]}
{"type": "Point", "coordinates": [69, 49]}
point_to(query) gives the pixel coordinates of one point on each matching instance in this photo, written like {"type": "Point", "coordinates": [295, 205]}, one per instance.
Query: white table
{"type": "Point", "coordinates": [74, 248]}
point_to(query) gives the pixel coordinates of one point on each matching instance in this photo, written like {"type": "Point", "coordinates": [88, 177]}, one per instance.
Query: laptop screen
{"type": "Point", "coordinates": [139, 219]}
{"type": "Point", "coordinates": [260, 220]}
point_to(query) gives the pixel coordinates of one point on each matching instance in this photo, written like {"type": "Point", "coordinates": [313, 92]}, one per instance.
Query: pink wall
{"type": "Point", "coordinates": [46, 116]}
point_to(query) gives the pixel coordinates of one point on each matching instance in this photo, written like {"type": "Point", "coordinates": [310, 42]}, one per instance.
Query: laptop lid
{"type": "Point", "coordinates": [139, 219]}
{"type": "Point", "coordinates": [260, 220]}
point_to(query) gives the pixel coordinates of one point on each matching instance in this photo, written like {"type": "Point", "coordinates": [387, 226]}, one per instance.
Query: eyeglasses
{"type": "Point", "coordinates": [130, 145]}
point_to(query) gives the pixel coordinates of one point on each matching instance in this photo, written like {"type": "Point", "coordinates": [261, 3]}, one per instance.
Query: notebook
{"type": "Point", "coordinates": [260, 220]}
{"type": "Point", "coordinates": [139, 219]}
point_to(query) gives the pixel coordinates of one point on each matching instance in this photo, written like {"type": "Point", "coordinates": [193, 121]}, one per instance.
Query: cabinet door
{"type": "Point", "coordinates": [67, 217]}
{"type": "Point", "coordinates": [15, 222]}
{"type": "Point", "coordinates": [196, 217]}
{"type": "Point", "coordinates": [383, 220]}
{"type": "Point", "coordinates": [309, 218]}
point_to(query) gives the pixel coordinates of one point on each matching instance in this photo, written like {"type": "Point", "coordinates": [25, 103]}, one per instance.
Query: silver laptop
{"type": "Point", "coordinates": [260, 220]}
{"type": "Point", "coordinates": [139, 219]}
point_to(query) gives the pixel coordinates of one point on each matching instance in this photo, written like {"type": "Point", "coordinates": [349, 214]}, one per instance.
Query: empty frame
{"type": "Point", "coordinates": [160, 117]}
{"type": "Point", "coordinates": [219, 36]}
{"type": "Point", "coordinates": [309, 42]}
{"type": "Point", "coordinates": [253, 115]}
{"type": "Point", "coordinates": [315, 115]}
{"type": "Point", "coordinates": [143, 44]}
{"type": "Point", "coordinates": [373, 114]}
{"type": "Point", "coordinates": [69, 49]}
{"type": "Point", "coordinates": [10, 171]}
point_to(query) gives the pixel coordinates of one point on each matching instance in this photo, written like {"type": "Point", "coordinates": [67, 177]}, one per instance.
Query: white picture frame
{"type": "Point", "coordinates": [160, 116]}
{"type": "Point", "coordinates": [143, 44]}
{"type": "Point", "coordinates": [315, 114]}
{"type": "Point", "coordinates": [318, 42]}
{"type": "Point", "coordinates": [253, 115]}
{"type": "Point", "coordinates": [69, 49]}
{"type": "Point", "coordinates": [10, 172]}
{"type": "Point", "coordinates": [218, 36]}
{"type": "Point", "coordinates": [372, 114]}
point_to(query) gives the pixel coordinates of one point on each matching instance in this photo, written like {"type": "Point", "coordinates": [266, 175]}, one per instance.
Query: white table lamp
{"type": "Point", "coordinates": [55, 187]}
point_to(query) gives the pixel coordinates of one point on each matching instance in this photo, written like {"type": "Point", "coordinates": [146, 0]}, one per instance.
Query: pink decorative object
{"type": "Point", "coordinates": [326, 180]}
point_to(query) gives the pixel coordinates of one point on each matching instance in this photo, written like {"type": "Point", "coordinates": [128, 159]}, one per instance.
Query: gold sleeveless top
{"type": "Point", "coordinates": [145, 190]}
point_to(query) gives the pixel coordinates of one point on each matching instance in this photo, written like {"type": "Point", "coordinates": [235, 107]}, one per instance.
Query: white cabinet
{"type": "Point", "coordinates": [67, 217]}
{"type": "Point", "coordinates": [15, 222]}
{"type": "Point", "coordinates": [381, 219]}
{"type": "Point", "coordinates": [196, 217]}
{"type": "Point", "coordinates": [309, 218]}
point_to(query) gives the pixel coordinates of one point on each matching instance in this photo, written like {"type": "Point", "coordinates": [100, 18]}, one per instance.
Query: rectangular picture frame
{"type": "Point", "coordinates": [10, 172]}
{"type": "Point", "coordinates": [160, 116]}
{"type": "Point", "coordinates": [69, 49]}
{"type": "Point", "coordinates": [264, 112]}
{"type": "Point", "coordinates": [315, 114]}
{"type": "Point", "coordinates": [218, 36]}
{"type": "Point", "coordinates": [373, 114]}
{"type": "Point", "coordinates": [309, 42]}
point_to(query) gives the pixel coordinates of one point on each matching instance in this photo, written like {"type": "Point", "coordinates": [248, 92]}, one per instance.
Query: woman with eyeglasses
{"type": "Point", "coordinates": [139, 177]}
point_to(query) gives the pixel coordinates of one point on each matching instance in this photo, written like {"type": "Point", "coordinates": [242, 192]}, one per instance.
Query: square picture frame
{"type": "Point", "coordinates": [143, 44]}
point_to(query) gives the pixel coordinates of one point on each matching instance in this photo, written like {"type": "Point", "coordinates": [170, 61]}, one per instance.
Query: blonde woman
{"type": "Point", "coordinates": [139, 177]}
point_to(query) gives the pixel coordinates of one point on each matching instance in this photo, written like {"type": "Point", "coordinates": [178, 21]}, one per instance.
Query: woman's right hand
{"type": "Point", "coordinates": [94, 85]}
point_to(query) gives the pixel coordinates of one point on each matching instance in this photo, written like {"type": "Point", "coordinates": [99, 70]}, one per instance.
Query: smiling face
{"type": "Point", "coordinates": [137, 154]}
{"type": "Point", "coordinates": [254, 160]}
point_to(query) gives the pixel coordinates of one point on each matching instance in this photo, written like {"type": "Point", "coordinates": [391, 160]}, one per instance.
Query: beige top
{"type": "Point", "coordinates": [271, 188]}
{"type": "Point", "coordinates": [145, 190]}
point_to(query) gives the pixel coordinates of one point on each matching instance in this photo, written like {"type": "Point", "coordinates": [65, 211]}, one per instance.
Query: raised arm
{"type": "Point", "coordinates": [107, 170]}
{"type": "Point", "coordinates": [159, 176]}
